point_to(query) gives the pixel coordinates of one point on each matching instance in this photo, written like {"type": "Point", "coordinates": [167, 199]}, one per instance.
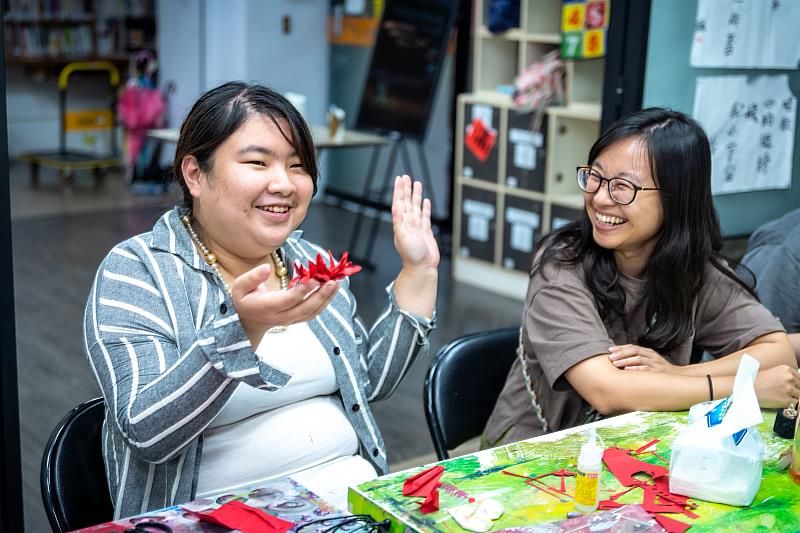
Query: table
{"type": "Point", "coordinates": [776, 506]}
{"type": "Point", "coordinates": [284, 498]}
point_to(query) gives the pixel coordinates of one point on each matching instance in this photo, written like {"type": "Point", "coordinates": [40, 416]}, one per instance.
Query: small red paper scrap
{"type": "Point", "coordinates": [321, 272]}
{"type": "Point", "coordinates": [480, 139]}
{"type": "Point", "coordinates": [424, 484]}
{"type": "Point", "coordinates": [247, 519]}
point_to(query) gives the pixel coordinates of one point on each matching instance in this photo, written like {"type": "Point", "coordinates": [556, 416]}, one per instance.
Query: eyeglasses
{"type": "Point", "coordinates": [620, 190]}
{"type": "Point", "coordinates": [347, 524]}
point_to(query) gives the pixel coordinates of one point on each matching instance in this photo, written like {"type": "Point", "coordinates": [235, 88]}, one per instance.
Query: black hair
{"type": "Point", "coordinates": [218, 113]}
{"type": "Point", "coordinates": [680, 162]}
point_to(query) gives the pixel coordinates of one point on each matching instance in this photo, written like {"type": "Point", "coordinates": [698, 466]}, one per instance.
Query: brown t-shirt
{"type": "Point", "coordinates": [561, 327]}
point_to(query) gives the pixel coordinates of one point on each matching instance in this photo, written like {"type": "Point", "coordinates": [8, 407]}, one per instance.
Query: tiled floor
{"type": "Point", "coordinates": [59, 239]}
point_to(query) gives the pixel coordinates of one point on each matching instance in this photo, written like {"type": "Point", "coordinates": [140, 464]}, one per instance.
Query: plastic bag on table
{"type": "Point", "coordinates": [718, 455]}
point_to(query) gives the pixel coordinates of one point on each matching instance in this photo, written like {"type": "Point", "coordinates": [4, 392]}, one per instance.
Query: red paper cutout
{"type": "Point", "coordinates": [424, 485]}
{"type": "Point", "coordinates": [623, 466]}
{"type": "Point", "coordinates": [480, 139]}
{"type": "Point", "coordinates": [671, 525]}
{"type": "Point", "coordinates": [247, 519]}
{"type": "Point", "coordinates": [656, 498]}
{"type": "Point", "coordinates": [537, 483]}
{"type": "Point", "coordinates": [318, 270]}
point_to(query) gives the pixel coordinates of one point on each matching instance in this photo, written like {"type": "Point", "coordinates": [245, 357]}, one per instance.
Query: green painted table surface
{"type": "Point", "coordinates": [776, 507]}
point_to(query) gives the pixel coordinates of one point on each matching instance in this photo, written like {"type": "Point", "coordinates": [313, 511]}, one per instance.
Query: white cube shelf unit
{"type": "Point", "coordinates": [526, 184]}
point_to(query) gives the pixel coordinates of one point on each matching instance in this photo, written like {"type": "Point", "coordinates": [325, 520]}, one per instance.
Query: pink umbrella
{"type": "Point", "coordinates": [139, 108]}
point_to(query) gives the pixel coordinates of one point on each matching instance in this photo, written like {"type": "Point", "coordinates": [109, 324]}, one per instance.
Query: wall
{"type": "Point", "coordinates": [179, 43]}
{"type": "Point", "coordinates": [243, 39]}
{"type": "Point", "coordinates": [670, 82]}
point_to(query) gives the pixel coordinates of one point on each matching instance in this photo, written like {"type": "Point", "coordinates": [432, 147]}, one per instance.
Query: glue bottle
{"type": "Point", "coordinates": [590, 464]}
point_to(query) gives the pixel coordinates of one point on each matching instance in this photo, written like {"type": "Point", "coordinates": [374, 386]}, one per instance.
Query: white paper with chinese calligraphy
{"type": "Point", "coordinates": [751, 129]}
{"type": "Point", "coordinates": [747, 34]}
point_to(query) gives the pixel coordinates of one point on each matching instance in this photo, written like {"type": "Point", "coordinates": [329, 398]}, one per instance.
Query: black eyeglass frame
{"type": "Point", "coordinates": [364, 521]}
{"type": "Point", "coordinates": [590, 170]}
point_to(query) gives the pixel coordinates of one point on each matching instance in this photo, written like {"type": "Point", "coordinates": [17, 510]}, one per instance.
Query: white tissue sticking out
{"type": "Point", "coordinates": [717, 457]}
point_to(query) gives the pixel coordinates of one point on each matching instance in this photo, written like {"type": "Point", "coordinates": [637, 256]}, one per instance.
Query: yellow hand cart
{"type": "Point", "coordinates": [66, 160]}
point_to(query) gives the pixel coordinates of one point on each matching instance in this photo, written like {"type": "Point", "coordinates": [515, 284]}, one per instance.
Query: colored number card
{"type": "Point", "coordinates": [583, 28]}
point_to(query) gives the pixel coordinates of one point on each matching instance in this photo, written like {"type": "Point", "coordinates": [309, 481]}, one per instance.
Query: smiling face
{"type": "Point", "coordinates": [631, 231]}
{"type": "Point", "coordinates": [255, 195]}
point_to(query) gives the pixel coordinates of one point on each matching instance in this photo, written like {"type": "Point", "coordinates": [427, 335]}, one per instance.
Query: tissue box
{"type": "Point", "coordinates": [718, 455]}
{"type": "Point", "coordinates": [716, 469]}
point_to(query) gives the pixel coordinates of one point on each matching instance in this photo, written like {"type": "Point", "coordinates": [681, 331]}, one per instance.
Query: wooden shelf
{"type": "Point", "coordinates": [47, 61]}
{"type": "Point", "coordinates": [574, 201]}
{"type": "Point", "coordinates": [516, 34]}
{"type": "Point", "coordinates": [496, 225]}
{"type": "Point", "coordinates": [489, 276]}
{"type": "Point", "coordinates": [44, 21]}
{"type": "Point", "coordinates": [579, 110]}
{"type": "Point", "coordinates": [74, 34]}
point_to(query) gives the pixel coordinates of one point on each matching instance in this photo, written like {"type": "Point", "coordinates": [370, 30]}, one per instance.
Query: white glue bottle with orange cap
{"type": "Point", "coordinates": [590, 465]}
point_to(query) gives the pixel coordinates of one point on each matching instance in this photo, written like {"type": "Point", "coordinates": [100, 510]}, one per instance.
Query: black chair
{"type": "Point", "coordinates": [463, 384]}
{"type": "Point", "coordinates": [73, 478]}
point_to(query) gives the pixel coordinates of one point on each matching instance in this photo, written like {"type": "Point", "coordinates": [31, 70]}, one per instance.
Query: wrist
{"type": "Point", "coordinates": [420, 272]}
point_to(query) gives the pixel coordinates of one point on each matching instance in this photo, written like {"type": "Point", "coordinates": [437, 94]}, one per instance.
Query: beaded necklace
{"type": "Point", "coordinates": [212, 261]}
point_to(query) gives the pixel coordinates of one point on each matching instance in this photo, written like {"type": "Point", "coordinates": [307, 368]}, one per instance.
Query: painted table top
{"type": "Point", "coordinates": [776, 506]}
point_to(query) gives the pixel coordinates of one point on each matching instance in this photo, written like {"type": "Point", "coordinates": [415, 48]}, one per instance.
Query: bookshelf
{"type": "Point", "coordinates": [525, 186]}
{"type": "Point", "coordinates": [50, 33]}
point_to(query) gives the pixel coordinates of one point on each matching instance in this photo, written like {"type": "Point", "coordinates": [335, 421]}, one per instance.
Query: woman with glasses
{"type": "Point", "coordinates": [617, 300]}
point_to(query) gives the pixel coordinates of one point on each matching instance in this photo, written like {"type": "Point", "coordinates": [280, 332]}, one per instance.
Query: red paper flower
{"type": "Point", "coordinates": [318, 270]}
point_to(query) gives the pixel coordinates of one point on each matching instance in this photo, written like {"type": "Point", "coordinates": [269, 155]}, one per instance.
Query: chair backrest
{"type": "Point", "coordinates": [73, 478]}
{"type": "Point", "coordinates": [463, 384]}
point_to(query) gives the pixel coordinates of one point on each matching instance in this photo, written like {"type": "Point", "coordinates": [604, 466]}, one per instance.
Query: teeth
{"type": "Point", "coordinates": [609, 220]}
{"type": "Point", "coordinates": [275, 209]}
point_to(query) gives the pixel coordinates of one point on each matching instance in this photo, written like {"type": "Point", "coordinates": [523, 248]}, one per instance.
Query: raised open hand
{"type": "Point", "coordinates": [411, 222]}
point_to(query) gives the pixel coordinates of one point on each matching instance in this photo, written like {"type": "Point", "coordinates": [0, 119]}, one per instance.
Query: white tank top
{"type": "Point", "coordinates": [261, 435]}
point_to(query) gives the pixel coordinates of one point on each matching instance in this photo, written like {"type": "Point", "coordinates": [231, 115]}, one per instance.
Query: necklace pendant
{"type": "Point", "coordinates": [277, 329]}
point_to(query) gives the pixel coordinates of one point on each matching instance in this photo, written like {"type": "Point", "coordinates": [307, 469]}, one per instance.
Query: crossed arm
{"type": "Point", "coordinates": [631, 377]}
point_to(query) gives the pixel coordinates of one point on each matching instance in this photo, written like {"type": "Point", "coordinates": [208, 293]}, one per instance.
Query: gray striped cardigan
{"type": "Point", "coordinates": [167, 349]}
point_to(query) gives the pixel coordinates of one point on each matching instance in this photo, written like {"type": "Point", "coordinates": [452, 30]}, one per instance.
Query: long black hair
{"type": "Point", "coordinates": [218, 113]}
{"type": "Point", "coordinates": [680, 162]}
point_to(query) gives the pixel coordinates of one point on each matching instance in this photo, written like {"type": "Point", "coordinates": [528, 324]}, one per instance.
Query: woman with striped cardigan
{"type": "Point", "coordinates": [216, 375]}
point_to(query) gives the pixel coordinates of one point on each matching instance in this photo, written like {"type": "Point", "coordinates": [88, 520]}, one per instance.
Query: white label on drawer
{"type": "Point", "coordinates": [479, 209]}
{"type": "Point", "coordinates": [512, 181]}
{"type": "Point", "coordinates": [465, 251]}
{"type": "Point", "coordinates": [523, 224]}
{"type": "Point", "coordinates": [508, 262]}
{"type": "Point", "coordinates": [483, 112]}
{"type": "Point", "coordinates": [467, 172]}
{"type": "Point", "coordinates": [525, 156]}
{"type": "Point", "coordinates": [518, 135]}
{"type": "Point", "coordinates": [521, 238]}
{"type": "Point", "coordinates": [522, 217]}
{"type": "Point", "coordinates": [478, 216]}
{"type": "Point", "coordinates": [559, 222]}
{"type": "Point", "coordinates": [478, 228]}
